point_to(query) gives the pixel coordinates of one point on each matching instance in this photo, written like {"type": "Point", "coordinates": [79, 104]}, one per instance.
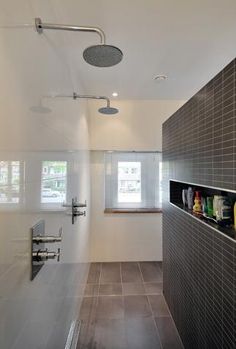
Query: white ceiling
{"type": "Point", "coordinates": [187, 40]}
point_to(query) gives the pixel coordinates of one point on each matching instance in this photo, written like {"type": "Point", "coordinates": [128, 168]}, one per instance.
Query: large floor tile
{"type": "Point", "coordinates": [91, 290]}
{"type": "Point", "coordinates": [151, 271]}
{"type": "Point", "coordinates": [110, 307]}
{"type": "Point", "coordinates": [136, 306]}
{"type": "Point", "coordinates": [133, 289]}
{"type": "Point", "coordinates": [168, 333]}
{"type": "Point", "coordinates": [141, 333]}
{"type": "Point", "coordinates": [130, 272]}
{"type": "Point", "coordinates": [110, 273]}
{"type": "Point", "coordinates": [158, 305]}
{"type": "Point", "coordinates": [110, 290]}
{"type": "Point", "coordinates": [110, 334]}
{"type": "Point", "coordinates": [94, 273]}
{"type": "Point", "coordinates": [88, 308]}
{"type": "Point", "coordinates": [86, 338]}
{"type": "Point", "coordinates": [153, 287]}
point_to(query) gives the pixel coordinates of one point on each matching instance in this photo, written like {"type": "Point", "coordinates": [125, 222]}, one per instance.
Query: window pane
{"type": "Point", "coordinates": [54, 175]}
{"type": "Point", "coordinates": [9, 182]}
{"type": "Point", "coordinates": [129, 182]}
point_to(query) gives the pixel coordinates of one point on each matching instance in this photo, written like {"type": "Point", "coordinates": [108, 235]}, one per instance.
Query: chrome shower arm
{"type": "Point", "coordinates": [75, 96]}
{"type": "Point", "coordinates": [40, 26]}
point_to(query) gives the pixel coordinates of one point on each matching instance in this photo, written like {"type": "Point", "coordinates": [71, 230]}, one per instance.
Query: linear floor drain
{"type": "Point", "coordinates": [73, 335]}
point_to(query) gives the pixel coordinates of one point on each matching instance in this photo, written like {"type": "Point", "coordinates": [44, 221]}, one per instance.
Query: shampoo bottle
{"type": "Point", "coordinates": [197, 203]}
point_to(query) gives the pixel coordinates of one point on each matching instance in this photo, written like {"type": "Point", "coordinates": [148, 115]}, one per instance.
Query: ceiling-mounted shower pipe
{"type": "Point", "coordinates": [104, 110]}
{"type": "Point", "coordinates": [108, 110]}
{"type": "Point", "coordinates": [101, 55]}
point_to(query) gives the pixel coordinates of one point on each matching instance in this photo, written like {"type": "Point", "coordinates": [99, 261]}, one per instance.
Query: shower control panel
{"type": "Point", "coordinates": [74, 209]}
{"type": "Point", "coordinates": [40, 254]}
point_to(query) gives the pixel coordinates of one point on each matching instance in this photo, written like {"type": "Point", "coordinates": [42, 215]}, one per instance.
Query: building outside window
{"type": "Point", "coordinates": [10, 182]}
{"type": "Point", "coordinates": [132, 180]}
{"type": "Point", "coordinates": [54, 181]}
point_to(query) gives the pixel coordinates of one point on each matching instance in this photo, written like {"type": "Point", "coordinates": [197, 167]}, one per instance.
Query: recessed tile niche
{"type": "Point", "coordinates": [176, 199]}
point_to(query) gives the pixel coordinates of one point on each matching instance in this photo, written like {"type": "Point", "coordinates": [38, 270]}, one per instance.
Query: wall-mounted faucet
{"type": "Point", "coordinates": [74, 209]}
{"type": "Point", "coordinates": [38, 239]}
{"type": "Point", "coordinates": [44, 255]}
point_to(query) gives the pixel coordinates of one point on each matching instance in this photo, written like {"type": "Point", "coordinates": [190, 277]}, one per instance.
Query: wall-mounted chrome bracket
{"type": "Point", "coordinates": [40, 26]}
{"type": "Point", "coordinates": [74, 209]}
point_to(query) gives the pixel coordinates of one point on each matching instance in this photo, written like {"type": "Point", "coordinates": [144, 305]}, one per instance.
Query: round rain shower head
{"type": "Point", "coordinates": [102, 55]}
{"type": "Point", "coordinates": [108, 110]}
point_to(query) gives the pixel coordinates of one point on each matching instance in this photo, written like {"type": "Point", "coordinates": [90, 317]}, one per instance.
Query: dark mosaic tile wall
{"type": "Point", "coordinates": [199, 263]}
{"type": "Point", "coordinates": [199, 140]}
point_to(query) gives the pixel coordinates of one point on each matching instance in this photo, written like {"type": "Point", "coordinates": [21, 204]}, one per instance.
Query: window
{"type": "Point", "coordinates": [132, 180]}
{"type": "Point", "coordinates": [129, 182]}
{"type": "Point", "coordinates": [9, 182]}
{"type": "Point", "coordinates": [54, 174]}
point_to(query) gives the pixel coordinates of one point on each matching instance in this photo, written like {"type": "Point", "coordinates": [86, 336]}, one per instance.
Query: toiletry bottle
{"type": "Point", "coordinates": [215, 205]}
{"type": "Point", "coordinates": [190, 198]}
{"type": "Point", "coordinates": [210, 206]}
{"type": "Point", "coordinates": [235, 215]}
{"type": "Point", "coordinates": [225, 210]}
{"type": "Point", "coordinates": [184, 197]}
{"type": "Point", "coordinates": [219, 207]}
{"type": "Point", "coordinates": [204, 206]}
{"type": "Point", "coordinates": [197, 208]}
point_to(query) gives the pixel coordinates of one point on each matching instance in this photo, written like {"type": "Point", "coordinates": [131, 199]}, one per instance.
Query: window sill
{"type": "Point", "coordinates": [133, 210]}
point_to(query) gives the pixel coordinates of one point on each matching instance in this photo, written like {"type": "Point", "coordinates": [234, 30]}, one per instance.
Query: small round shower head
{"type": "Point", "coordinates": [102, 55]}
{"type": "Point", "coordinates": [108, 110]}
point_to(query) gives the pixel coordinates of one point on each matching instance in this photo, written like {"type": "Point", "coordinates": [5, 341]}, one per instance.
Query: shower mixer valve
{"type": "Point", "coordinates": [39, 239]}
{"type": "Point", "coordinates": [39, 254]}
{"type": "Point", "coordinates": [44, 255]}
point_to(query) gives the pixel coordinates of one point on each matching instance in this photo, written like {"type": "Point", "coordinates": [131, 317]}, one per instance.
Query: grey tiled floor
{"type": "Point", "coordinates": [123, 308]}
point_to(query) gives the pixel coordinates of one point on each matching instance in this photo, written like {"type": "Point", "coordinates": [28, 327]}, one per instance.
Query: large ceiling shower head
{"type": "Point", "coordinates": [100, 55]}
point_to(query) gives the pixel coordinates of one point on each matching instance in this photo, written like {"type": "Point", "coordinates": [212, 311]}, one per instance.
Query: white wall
{"type": "Point", "coordinates": [120, 237]}
{"type": "Point", "coordinates": [138, 126]}
{"type": "Point", "coordinates": [39, 313]}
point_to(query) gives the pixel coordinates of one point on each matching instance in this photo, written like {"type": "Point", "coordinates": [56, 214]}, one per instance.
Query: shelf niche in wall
{"type": "Point", "coordinates": [175, 195]}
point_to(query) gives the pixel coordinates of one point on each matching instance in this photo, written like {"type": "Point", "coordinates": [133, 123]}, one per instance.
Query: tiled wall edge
{"type": "Point", "coordinates": [202, 185]}
{"type": "Point", "coordinates": [200, 221]}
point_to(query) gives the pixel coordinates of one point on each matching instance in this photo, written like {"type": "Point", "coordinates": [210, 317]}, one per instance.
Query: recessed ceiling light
{"type": "Point", "coordinates": [160, 77]}
{"type": "Point", "coordinates": [114, 94]}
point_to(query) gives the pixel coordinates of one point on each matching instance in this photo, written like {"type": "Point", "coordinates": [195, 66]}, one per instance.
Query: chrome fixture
{"type": "Point", "coordinates": [100, 55]}
{"type": "Point", "coordinates": [75, 204]}
{"type": "Point", "coordinates": [38, 239]}
{"type": "Point", "coordinates": [74, 209]}
{"type": "Point", "coordinates": [108, 110]}
{"type": "Point", "coordinates": [44, 255]}
{"type": "Point", "coordinates": [80, 213]}
{"type": "Point", "coordinates": [39, 254]}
